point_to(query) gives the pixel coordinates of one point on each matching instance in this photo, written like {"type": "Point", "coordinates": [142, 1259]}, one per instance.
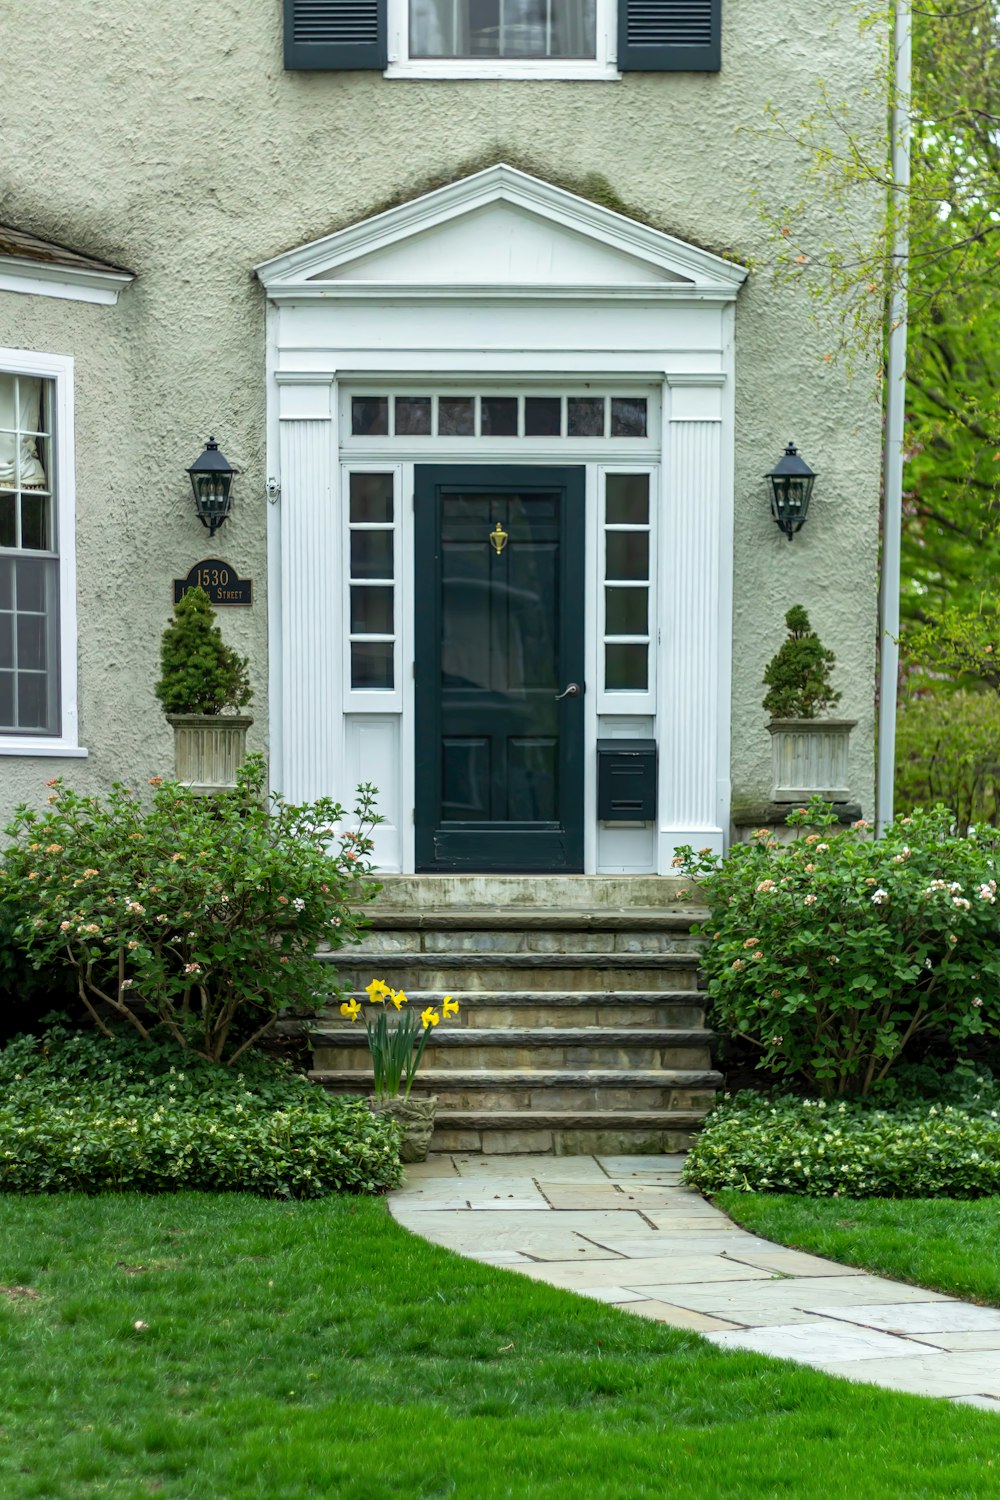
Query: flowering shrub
{"type": "Point", "coordinates": [396, 1050]}
{"type": "Point", "coordinates": [828, 1149]}
{"type": "Point", "coordinates": [837, 955]}
{"type": "Point", "coordinates": [93, 1114]}
{"type": "Point", "coordinates": [197, 917]}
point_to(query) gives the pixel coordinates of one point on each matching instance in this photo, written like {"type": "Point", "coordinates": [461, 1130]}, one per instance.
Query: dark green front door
{"type": "Point", "coordinates": [499, 639]}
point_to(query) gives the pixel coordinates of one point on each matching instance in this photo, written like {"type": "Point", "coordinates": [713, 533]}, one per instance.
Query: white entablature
{"type": "Point", "coordinates": [500, 233]}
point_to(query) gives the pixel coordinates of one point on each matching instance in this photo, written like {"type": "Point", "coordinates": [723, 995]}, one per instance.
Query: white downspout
{"type": "Point", "coordinates": [892, 457]}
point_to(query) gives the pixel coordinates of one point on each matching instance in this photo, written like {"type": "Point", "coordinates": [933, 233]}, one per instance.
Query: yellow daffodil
{"type": "Point", "coordinates": [377, 991]}
{"type": "Point", "coordinates": [398, 998]}
{"type": "Point", "coordinates": [430, 1017]}
{"type": "Point", "coordinates": [449, 1007]}
{"type": "Point", "coordinates": [350, 1008]}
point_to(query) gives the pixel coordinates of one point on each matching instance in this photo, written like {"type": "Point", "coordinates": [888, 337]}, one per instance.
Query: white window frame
{"type": "Point", "coordinates": [602, 67]}
{"type": "Point", "coordinates": [628, 701]}
{"type": "Point", "coordinates": [58, 370]}
{"type": "Point", "coordinates": [372, 700]}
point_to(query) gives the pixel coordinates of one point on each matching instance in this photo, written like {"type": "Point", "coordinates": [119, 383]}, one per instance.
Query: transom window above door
{"type": "Point", "coordinates": [587, 415]}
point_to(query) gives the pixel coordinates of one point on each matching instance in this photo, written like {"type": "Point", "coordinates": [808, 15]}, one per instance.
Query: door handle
{"type": "Point", "coordinates": [569, 692]}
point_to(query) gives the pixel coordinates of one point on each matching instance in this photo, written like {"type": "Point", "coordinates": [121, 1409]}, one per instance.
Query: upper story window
{"type": "Point", "coordinates": [37, 569]}
{"type": "Point", "coordinates": [504, 38]}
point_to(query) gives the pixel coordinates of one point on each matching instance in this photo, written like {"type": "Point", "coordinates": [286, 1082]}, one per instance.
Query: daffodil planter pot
{"type": "Point", "coordinates": [417, 1119]}
{"type": "Point", "coordinates": [209, 750]}
{"type": "Point", "coordinates": [809, 758]}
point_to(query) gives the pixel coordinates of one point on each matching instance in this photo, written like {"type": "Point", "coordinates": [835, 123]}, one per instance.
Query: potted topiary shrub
{"type": "Point", "coordinates": [809, 754]}
{"type": "Point", "coordinates": [201, 677]}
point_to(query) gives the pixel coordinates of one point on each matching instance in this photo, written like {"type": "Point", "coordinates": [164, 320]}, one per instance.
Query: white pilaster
{"type": "Point", "coordinates": [694, 743]}
{"type": "Point", "coordinates": [311, 727]}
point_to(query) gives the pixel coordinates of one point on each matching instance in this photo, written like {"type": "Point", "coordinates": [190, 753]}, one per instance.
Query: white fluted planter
{"type": "Point", "coordinates": [209, 750]}
{"type": "Point", "coordinates": [809, 758]}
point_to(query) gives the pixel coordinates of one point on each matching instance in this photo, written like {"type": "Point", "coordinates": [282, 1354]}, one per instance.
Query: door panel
{"type": "Point", "coordinates": [498, 635]}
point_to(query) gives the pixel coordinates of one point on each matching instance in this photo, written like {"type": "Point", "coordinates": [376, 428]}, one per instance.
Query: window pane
{"type": "Point", "coordinates": [499, 416]}
{"type": "Point", "coordinates": [413, 416]}
{"type": "Point", "coordinates": [625, 668]}
{"type": "Point", "coordinates": [542, 416]}
{"type": "Point", "coordinates": [513, 28]}
{"type": "Point", "coordinates": [626, 611]}
{"type": "Point", "coordinates": [6, 641]}
{"type": "Point", "coordinates": [35, 523]}
{"type": "Point", "coordinates": [371, 497]}
{"type": "Point", "coordinates": [371, 554]}
{"type": "Point", "coordinates": [7, 701]}
{"type": "Point", "coordinates": [627, 554]}
{"type": "Point", "coordinates": [585, 416]}
{"type": "Point", "coordinates": [31, 643]}
{"type": "Point", "coordinates": [371, 664]}
{"type": "Point", "coordinates": [627, 499]}
{"type": "Point", "coordinates": [456, 416]}
{"type": "Point", "coordinates": [370, 416]}
{"type": "Point", "coordinates": [31, 576]}
{"type": "Point", "coordinates": [32, 699]}
{"type": "Point", "coordinates": [8, 522]}
{"type": "Point", "coordinates": [6, 583]}
{"type": "Point", "coordinates": [628, 416]}
{"type": "Point", "coordinates": [371, 611]}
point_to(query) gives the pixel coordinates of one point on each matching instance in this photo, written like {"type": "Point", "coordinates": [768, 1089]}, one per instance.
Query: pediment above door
{"type": "Point", "coordinates": [500, 233]}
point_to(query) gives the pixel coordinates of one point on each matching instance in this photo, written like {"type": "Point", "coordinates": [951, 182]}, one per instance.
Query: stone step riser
{"type": "Point", "coordinates": [398, 943]}
{"type": "Point", "coordinates": [548, 1100]}
{"type": "Point", "coordinates": [457, 978]}
{"type": "Point", "coordinates": [591, 1055]}
{"type": "Point", "coordinates": [619, 1140]}
{"type": "Point", "coordinates": [651, 1011]}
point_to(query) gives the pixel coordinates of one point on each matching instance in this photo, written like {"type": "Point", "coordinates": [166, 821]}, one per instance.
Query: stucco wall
{"type": "Point", "coordinates": [169, 139]}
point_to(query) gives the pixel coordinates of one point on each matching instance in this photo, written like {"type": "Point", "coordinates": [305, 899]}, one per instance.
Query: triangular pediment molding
{"type": "Point", "coordinates": [500, 232]}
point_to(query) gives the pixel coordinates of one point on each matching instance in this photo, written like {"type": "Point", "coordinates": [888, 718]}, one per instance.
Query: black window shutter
{"type": "Point", "coordinates": [670, 36]}
{"type": "Point", "coordinates": [335, 34]}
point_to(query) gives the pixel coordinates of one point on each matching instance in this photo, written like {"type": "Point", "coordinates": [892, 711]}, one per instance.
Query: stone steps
{"type": "Point", "coordinates": [581, 1029]}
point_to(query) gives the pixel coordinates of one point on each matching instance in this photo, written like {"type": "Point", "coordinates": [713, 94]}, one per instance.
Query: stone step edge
{"type": "Point", "coordinates": [450, 959]}
{"type": "Point", "coordinates": [429, 1078]}
{"type": "Point", "coordinates": [533, 919]}
{"type": "Point", "coordinates": [539, 1036]}
{"type": "Point", "coordinates": [540, 998]}
{"type": "Point", "coordinates": [569, 1119]}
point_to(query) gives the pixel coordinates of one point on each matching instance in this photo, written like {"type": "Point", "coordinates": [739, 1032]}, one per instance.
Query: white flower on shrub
{"type": "Point", "coordinates": [880, 897]}
{"type": "Point", "coordinates": [988, 892]}
{"type": "Point", "coordinates": [809, 900]}
{"type": "Point", "coordinates": [961, 901]}
{"type": "Point", "coordinates": [299, 904]}
{"type": "Point", "coordinates": [977, 1002]}
{"type": "Point", "coordinates": [766, 885]}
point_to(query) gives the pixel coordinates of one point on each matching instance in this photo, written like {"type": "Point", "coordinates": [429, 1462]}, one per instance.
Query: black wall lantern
{"type": "Point", "coordinates": [791, 481]}
{"type": "Point", "coordinates": [212, 481]}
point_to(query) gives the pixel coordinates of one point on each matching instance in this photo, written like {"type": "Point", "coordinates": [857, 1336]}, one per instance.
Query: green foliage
{"type": "Point", "coordinates": [846, 1150]}
{"type": "Point", "coordinates": [961, 646]}
{"type": "Point", "coordinates": [82, 1112]}
{"type": "Point", "coordinates": [798, 675]}
{"type": "Point", "coordinates": [193, 918]}
{"type": "Point", "coordinates": [397, 1048]}
{"type": "Point", "coordinates": [199, 673]}
{"type": "Point", "coordinates": [837, 956]}
{"type": "Point", "coordinates": [948, 751]}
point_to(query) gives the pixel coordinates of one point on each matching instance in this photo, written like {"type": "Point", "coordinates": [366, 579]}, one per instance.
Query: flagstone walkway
{"type": "Point", "coordinates": [622, 1229]}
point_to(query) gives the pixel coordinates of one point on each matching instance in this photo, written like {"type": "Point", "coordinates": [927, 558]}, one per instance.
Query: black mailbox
{"type": "Point", "coordinates": [626, 781]}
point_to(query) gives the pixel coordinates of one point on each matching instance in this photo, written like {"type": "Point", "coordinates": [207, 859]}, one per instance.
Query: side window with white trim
{"type": "Point", "coordinates": [29, 558]}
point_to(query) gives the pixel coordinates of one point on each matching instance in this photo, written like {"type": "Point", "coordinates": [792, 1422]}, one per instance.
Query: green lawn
{"type": "Point", "coordinates": [205, 1347]}
{"type": "Point", "coordinates": [949, 1245]}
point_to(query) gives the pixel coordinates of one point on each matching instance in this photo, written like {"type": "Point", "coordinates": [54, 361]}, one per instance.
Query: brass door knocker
{"type": "Point", "coordinates": [499, 538]}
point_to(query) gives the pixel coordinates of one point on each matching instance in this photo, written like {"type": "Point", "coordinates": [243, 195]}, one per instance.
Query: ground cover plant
{"type": "Point", "coordinates": [192, 918]}
{"type": "Point", "coordinates": [939, 1243]}
{"type": "Point", "coordinates": [79, 1110]}
{"type": "Point", "coordinates": [841, 1149]}
{"type": "Point", "coordinates": [235, 1349]}
{"type": "Point", "coordinates": [839, 957]}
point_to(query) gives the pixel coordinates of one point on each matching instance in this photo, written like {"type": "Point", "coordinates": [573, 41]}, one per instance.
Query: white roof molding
{"type": "Point", "coordinates": [500, 233]}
